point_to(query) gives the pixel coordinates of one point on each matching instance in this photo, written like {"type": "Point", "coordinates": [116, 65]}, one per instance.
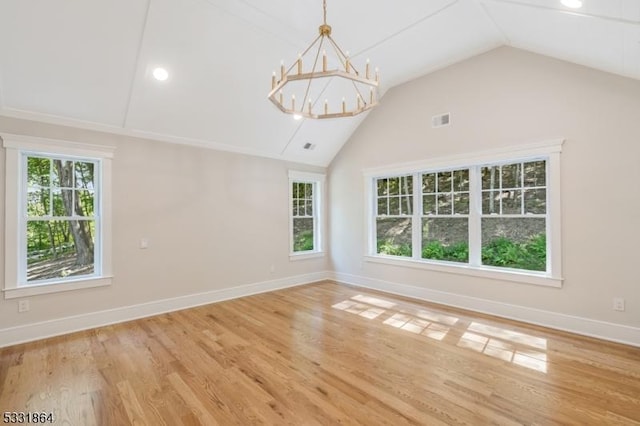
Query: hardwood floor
{"type": "Point", "coordinates": [323, 354]}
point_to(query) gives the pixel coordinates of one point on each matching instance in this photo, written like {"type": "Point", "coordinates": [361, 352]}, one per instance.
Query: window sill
{"type": "Point", "coordinates": [306, 255]}
{"type": "Point", "coordinates": [56, 287]}
{"type": "Point", "coordinates": [534, 278]}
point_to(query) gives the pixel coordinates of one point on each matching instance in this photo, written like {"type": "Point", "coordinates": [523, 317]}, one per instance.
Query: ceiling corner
{"type": "Point", "coordinates": [487, 13]}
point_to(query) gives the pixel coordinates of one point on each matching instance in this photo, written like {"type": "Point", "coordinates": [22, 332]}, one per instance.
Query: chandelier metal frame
{"type": "Point", "coordinates": [307, 108]}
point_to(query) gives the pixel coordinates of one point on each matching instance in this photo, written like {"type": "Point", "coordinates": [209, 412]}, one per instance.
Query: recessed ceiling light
{"type": "Point", "coordinates": [573, 4]}
{"type": "Point", "coordinates": [160, 74]}
{"type": "Point", "coordinates": [297, 117]}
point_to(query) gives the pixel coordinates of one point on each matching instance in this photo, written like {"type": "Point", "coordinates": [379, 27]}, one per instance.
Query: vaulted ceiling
{"type": "Point", "coordinates": [88, 63]}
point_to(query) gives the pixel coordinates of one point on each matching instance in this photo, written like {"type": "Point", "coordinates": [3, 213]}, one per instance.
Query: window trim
{"type": "Point", "coordinates": [317, 179]}
{"type": "Point", "coordinates": [16, 146]}
{"type": "Point", "coordinates": [551, 149]}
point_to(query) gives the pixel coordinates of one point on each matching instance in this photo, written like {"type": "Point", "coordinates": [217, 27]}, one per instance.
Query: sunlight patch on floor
{"type": "Point", "coordinates": [374, 301]}
{"type": "Point", "coordinates": [353, 307]}
{"type": "Point", "coordinates": [436, 317]}
{"type": "Point", "coordinates": [417, 325]}
{"type": "Point", "coordinates": [510, 335]}
{"type": "Point", "coordinates": [507, 345]}
{"type": "Point", "coordinates": [426, 323]}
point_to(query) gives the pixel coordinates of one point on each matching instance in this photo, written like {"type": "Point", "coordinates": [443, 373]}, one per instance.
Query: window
{"type": "Point", "coordinates": [394, 218]}
{"type": "Point", "coordinates": [58, 223]}
{"type": "Point", "coordinates": [494, 215]}
{"type": "Point", "coordinates": [305, 195]}
{"type": "Point", "coordinates": [514, 200]}
{"type": "Point", "coordinates": [445, 215]}
{"type": "Point", "coordinates": [61, 217]}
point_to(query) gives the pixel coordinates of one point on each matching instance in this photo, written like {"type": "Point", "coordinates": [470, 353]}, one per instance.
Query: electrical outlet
{"type": "Point", "coordinates": [23, 305]}
{"type": "Point", "coordinates": [618, 304]}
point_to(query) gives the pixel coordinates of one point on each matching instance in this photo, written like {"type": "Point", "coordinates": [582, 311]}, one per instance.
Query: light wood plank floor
{"type": "Point", "coordinates": [323, 354]}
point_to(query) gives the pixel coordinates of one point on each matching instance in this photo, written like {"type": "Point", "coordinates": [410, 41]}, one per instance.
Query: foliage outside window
{"type": "Point", "coordinates": [445, 215]}
{"type": "Point", "coordinates": [57, 215]}
{"type": "Point", "coordinates": [305, 198]}
{"type": "Point", "coordinates": [513, 215]}
{"type": "Point", "coordinates": [394, 215]}
{"type": "Point", "coordinates": [483, 215]}
{"type": "Point", "coordinates": [514, 201]}
{"type": "Point", "coordinates": [303, 226]}
{"type": "Point", "coordinates": [61, 217]}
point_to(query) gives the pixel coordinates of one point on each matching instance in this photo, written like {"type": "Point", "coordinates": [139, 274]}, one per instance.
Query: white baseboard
{"type": "Point", "coordinates": [585, 326]}
{"type": "Point", "coordinates": [40, 330]}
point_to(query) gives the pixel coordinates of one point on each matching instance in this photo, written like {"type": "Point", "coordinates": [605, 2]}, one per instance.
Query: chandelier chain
{"type": "Point", "coordinates": [324, 7]}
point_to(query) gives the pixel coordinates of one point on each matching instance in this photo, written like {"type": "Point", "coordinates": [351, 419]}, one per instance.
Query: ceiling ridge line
{"type": "Point", "coordinates": [567, 12]}
{"type": "Point", "coordinates": [268, 15]}
{"type": "Point", "coordinates": [136, 67]}
{"type": "Point", "coordinates": [483, 6]}
{"type": "Point", "coordinates": [395, 34]}
{"type": "Point", "coordinates": [253, 24]}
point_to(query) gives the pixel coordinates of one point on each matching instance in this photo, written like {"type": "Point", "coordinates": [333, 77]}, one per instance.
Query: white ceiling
{"type": "Point", "coordinates": [88, 63]}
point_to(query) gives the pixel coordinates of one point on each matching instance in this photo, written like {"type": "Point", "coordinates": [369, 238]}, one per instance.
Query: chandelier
{"type": "Point", "coordinates": [299, 90]}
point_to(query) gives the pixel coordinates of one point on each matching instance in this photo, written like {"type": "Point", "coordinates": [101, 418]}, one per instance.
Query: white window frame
{"type": "Point", "coordinates": [548, 150]}
{"type": "Point", "coordinates": [317, 180]}
{"type": "Point", "coordinates": [16, 147]}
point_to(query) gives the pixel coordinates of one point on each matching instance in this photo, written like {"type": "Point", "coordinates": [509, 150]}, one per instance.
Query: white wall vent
{"type": "Point", "coordinates": [441, 120]}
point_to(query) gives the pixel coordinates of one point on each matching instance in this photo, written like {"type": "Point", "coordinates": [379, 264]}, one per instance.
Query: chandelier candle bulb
{"type": "Point", "coordinates": [281, 97]}
{"type": "Point", "coordinates": [344, 106]}
{"type": "Point", "coordinates": [371, 96]}
{"type": "Point", "coordinates": [310, 104]}
{"type": "Point", "coordinates": [299, 64]}
{"type": "Point", "coordinates": [273, 80]}
{"type": "Point", "coordinates": [324, 61]}
{"type": "Point", "coordinates": [281, 70]}
{"type": "Point", "coordinates": [366, 72]}
{"type": "Point", "coordinates": [347, 63]}
{"type": "Point", "coordinates": [326, 106]}
{"type": "Point", "coordinates": [293, 102]}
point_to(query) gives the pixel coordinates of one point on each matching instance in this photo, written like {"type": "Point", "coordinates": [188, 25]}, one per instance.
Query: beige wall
{"type": "Point", "coordinates": [504, 98]}
{"type": "Point", "coordinates": [214, 220]}
{"type": "Point", "coordinates": [218, 220]}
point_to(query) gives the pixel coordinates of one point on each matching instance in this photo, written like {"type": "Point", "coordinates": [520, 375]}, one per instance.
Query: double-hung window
{"type": "Point", "coordinates": [445, 215]}
{"type": "Point", "coordinates": [305, 219]}
{"type": "Point", "coordinates": [495, 215]}
{"type": "Point", "coordinates": [57, 216]}
{"type": "Point", "coordinates": [514, 215]}
{"type": "Point", "coordinates": [394, 216]}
